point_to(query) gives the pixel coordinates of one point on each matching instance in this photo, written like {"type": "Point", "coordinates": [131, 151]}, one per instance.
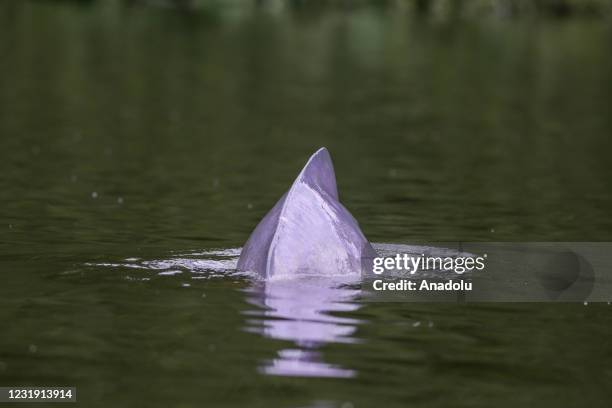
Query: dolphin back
{"type": "Point", "coordinates": [308, 231]}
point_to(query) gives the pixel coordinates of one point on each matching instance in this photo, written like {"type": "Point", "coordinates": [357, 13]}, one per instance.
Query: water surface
{"type": "Point", "coordinates": [139, 146]}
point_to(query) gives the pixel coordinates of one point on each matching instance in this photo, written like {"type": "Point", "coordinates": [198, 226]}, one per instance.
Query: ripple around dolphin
{"type": "Point", "coordinates": [307, 312]}
{"type": "Point", "coordinates": [221, 262]}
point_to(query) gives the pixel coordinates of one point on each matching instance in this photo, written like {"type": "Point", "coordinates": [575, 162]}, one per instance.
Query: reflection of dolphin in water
{"type": "Point", "coordinates": [308, 231]}
{"type": "Point", "coordinates": [306, 311]}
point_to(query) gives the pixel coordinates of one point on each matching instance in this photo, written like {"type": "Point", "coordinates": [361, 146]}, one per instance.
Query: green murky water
{"type": "Point", "coordinates": [140, 145]}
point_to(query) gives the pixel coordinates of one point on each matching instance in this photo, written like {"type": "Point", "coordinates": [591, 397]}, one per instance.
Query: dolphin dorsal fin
{"type": "Point", "coordinates": [308, 231]}
{"type": "Point", "coordinates": [319, 173]}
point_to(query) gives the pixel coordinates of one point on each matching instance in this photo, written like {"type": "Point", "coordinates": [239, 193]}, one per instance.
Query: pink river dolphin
{"type": "Point", "coordinates": [308, 231]}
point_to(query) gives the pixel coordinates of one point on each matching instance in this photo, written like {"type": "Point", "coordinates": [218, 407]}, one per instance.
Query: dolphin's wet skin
{"type": "Point", "coordinates": [308, 231]}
